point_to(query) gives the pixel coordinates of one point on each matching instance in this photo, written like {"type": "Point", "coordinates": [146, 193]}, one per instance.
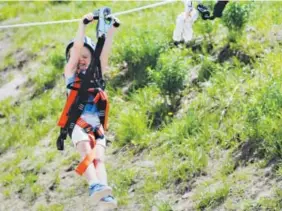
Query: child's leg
{"type": "Point", "coordinates": [108, 202]}
{"type": "Point", "coordinates": [97, 190]}
{"type": "Point", "coordinates": [100, 164]}
{"type": "Point", "coordinates": [84, 148]}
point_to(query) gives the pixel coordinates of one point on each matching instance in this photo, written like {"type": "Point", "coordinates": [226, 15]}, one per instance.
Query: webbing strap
{"type": "Point", "coordinates": [90, 157]}
{"type": "Point", "coordinates": [71, 98]}
{"type": "Point", "coordinates": [101, 99]}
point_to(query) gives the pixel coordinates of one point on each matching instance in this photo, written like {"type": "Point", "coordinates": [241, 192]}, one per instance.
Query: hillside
{"type": "Point", "coordinates": [194, 127]}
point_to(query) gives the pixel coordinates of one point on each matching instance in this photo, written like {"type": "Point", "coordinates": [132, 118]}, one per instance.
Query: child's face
{"type": "Point", "coordinates": [84, 59]}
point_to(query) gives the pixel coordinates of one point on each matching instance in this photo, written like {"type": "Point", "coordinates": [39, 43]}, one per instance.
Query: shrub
{"type": "Point", "coordinates": [205, 28]}
{"type": "Point", "coordinates": [140, 51]}
{"type": "Point", "coordinates": [132, 127]}
{"type": "Point", "coordinates": [58, 61]}
{"type": "Point", "coordinates": [264, 120]}
{"type": "Point", "coordinates": [235, 18]}
{"type": "Point", "coordinates": [170, 72]}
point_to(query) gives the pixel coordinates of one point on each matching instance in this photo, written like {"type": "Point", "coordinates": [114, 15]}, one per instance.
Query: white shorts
{"type": "Point", "coordinates": [78, 134]}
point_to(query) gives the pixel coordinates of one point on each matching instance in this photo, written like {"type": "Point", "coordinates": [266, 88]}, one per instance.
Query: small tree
{"type": "Point", "coordinates": [235, 18]}
{"type": "Point", "coordinates": [170, 72]}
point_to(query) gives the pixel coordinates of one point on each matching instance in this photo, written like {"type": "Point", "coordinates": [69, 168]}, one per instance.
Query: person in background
{"type": "Point", "coordinates": [183, 32]}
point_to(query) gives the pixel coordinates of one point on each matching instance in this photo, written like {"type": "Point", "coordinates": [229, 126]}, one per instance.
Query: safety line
{"type": "Point", "coordinates": [76, 20]}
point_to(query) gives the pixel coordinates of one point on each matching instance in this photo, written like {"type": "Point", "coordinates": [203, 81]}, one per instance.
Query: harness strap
{"type": "Point", "coordinates": [101, 100]}
{"type": "Point", "coordinates": [83, 165]}
{"type": "Point", "coordinates": [71, 98]}
{"type": "Point", "coordinates": [92, 134]}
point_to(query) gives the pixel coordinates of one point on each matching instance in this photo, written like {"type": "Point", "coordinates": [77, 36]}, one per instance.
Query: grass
{"type": "Point", "coordinates": [228, 166]}
{"type": "Point", "coordinates": [164, 206]}
{"type": "Point", "coordinates": [8, 61]}
{"type": "Point", "coordinates": [36, 120]}
{"type": "Point", "coordinates": [122, 180]}
{"type": "Point", "coordinates": [50, 156]}
{"type": "Point", "coordinates": [70, 192]}
{"type": "Point", "coordinates": [242, 102]}
{"type": "Point", "coordinates": [7, 193]}
{"type": "Point", "coordinates": [213, 198]}
{"type": "Point", "coordinates": [73, 156]}
{"type": "Point", "coordinates": [265, 203]}
{"type": "Point", "coordinates": [36, 190]}
{"type": "Point", "coordinates": [52, 207]}
{"type": "Point", "coordinates": [279, 170]}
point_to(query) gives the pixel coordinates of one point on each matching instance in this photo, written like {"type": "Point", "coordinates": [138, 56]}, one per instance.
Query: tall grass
{"type": "Point", "coordinates": [240, 102]}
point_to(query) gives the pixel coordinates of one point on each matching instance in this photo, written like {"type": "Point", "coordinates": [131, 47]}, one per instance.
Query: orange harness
{"type": "Point", "coordinates": [101, 101]}
{"type": "Point", "coordinates": [89, 158]}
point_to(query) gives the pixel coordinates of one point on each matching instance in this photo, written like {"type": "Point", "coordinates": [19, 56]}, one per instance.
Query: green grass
{"type": "Point", "coordinates": [7, 193]}
{"type": "Point", "coordinates": [164, 206]}
{"type": "Point", "coordinates": [265, 203]}
{"type": "Point", "coordinates": [121, 179]}
{"type": "Point", "coordinates": [242, 102]}
{"type": "Point", "coordinates": [36, 190]}
{"type": "Point", "coordinates": [52, 207]}
{"type": "Point", "coordinates": [228, 166]}
{"type": "Point", "coordinates": [8, 61]}
{"type": "Point", "coordinates": [212, 198]}
{"type": "Point", "coordinates": [35, 119]}
{"type": "Point", "coordinates": [50, 156]}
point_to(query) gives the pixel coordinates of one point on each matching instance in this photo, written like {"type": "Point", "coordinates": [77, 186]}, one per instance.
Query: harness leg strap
{"type": "Point", "coordinates": [89, 158]}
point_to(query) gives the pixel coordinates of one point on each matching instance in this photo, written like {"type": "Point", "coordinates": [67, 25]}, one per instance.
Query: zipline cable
{"type": "Point", "coordinates": [76, 20]}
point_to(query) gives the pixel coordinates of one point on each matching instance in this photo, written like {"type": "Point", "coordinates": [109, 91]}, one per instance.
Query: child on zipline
{"type": "Point", "coordinates": [79, 58]}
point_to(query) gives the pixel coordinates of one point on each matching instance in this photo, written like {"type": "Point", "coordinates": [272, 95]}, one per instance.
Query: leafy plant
{"type": "Point", "coordinates": [132, 127]}
{"type": "Point", "coordinates": [170, 72]}
{"type": "Point", "coordinates": [235, 18]}
{"type": "Point", "coordinates": [264, 121]}
{"type": "Point", "coordinates": [140, 51]}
